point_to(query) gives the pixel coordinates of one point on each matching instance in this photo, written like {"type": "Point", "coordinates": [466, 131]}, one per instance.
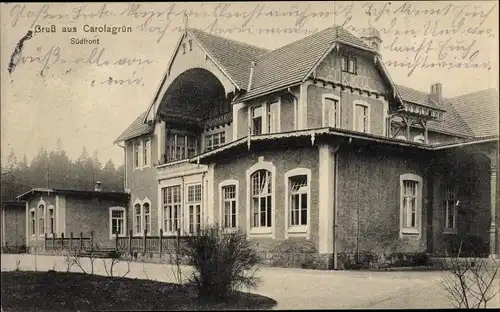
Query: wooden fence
{"type": "Point", "coordinates": [151, 244]}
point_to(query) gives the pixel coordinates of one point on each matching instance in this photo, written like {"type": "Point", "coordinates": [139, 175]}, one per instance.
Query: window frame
{"type": "Point", "coordinates": [336, 98]}
{"type": "Point", "coordinates": [297, 230]}
{"type": "Point", "coordinates": [146, 153]}
{"type": "Point", "coordinates": [137, 151]}
{"type": "Point", "coordinates": [186, 147]}
{"type": "Point", "coordinates": [33, 222]}
{"type": "Point", "coordinates": [346, 60]}
{"type": "Point", "coordinates": [144, 214]}
{"type": "Point", "coordinates": [195, 204]}
{"type": "Point", "coordinates": [368, 115]}
{"type": "Point", "coordinates": [135, 225]}
{"type": "Point", "coordinates": [51, 221]}
{"type": "Point", "coordinates": [211, 138]}
{"type": "Point", "coordinates": [39, 217]}
{"type": "Point", "coordinates": [222, 201]}
{"type": "Point", "coordinates": [265, 119]}
{"type": "Point", "coordinates": [124, 211]}
{"type": "Point", "coordinates": [173, 204]}
{"type": "Point", "coordinates": [417, 230]}
{"type": "Point", "coordinates": [261, 231]}
{"type": "Point", "coordinates": [445, 201]}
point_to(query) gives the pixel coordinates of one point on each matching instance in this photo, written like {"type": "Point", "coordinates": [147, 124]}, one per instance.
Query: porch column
{"type": "Point", "coordinates": [493, 198]}
{"type": "Point", "coordinates": [326, 197]}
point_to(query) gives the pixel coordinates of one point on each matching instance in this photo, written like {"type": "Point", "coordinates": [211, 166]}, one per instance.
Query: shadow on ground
{"type": "Point", "coordinates": [61, 291]}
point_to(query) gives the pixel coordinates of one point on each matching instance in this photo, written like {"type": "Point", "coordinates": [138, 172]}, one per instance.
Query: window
{"type": "Point", "coordinates": [229, 204]}
{"type": "Point", "coordinates": [117, 221]}
{"type": "Point", "coordinates": [138, 218]}
{"type": "Point", "coordinates": [361, 118]}
{"type": "Point", "coordinates": [194, 207]}
{"type": "Point", "coordinates": [51, 223]}
{"type": "Point", "coordinates": [41, 219]}
{"type": "Point", "coordinates": [261, 199]}
{"type": "Point", "coordinates": [257, 120]}
{"type": "Point", "coordinates": [32, 221]}
{"type": "Point", "coordinates": [349, 64]}
{"type": "Point", "coordinates": [172, 208]}
{"type": "Point", "coordinates": [147, 217]}
{"type": "Point", "coordinates": [190, 42]}
{"type": "Point", "coordinates": [298, 200]}
{"type": "Point", "coordinates": [183, 48]}
{"type": "Point", "coordinates": [272, 116]}
{"type": "Point", "coordinates": [146, 152]}
{"type": "Point", "coordinates": [215, 140]}
{"type": "Point", "coordinates": [331, 112]}
{"type": "Point", "coordinates": [450, 206]}
{"type": "Point", "coordinates": [410, 204]}
{"type": "Point", "coordinates": [136, 155]}
{"type": "Point", "coordinates": [180, 146]}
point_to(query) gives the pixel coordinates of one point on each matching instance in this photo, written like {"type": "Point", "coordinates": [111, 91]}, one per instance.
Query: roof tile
{"type": "Point", "coordinates": [136, 129]}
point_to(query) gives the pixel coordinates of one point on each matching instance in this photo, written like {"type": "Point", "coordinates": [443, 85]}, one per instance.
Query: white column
{"type": "Point", "coordinates": [210, 194]}
{"type": "Point", "coordinates": [326, 198]}
{"type": "Point", "coordinates": [302, 107]}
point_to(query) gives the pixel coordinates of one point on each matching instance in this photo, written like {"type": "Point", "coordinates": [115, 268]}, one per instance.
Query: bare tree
{"type": "Point", "coordinates": [470, 282]}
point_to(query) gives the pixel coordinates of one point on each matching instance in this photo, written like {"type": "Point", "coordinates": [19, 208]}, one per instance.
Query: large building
{"type": "Point", "coordinates": [311, 147]}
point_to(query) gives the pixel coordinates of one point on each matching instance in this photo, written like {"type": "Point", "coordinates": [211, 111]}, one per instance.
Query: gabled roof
{"type": "Point", "coordinates": [417, 97]}
{"type": "Point", "coordinates": [233, 56]}
{"type": "Point", "coordinates": [291, 63]}
{"type": "Point", "coordinates": [137, 128]}
{"type": "Point", "coordinates": [480, 110]}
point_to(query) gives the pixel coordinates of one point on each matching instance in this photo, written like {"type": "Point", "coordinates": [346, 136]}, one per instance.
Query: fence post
{"type": "Point", "coordinates": [91, 240]}
{"type": "Point", "coordinates": [81, 241]}
{"type": "Point", "coordinates": [54, 236]}
{"type": "Point", "coordinates": [70, 241]}
{"type": "Point", "coordinates": [130, 242]}
{"type": "Point", "coordinates": [44, 242]}
{"type": "Point", "coordinates": [161, 241]}
{"type": "Point", "coordinates": [116, 241]}
{"type": "Point", "coordinates": [144, 241]}
{"type": "Point", "coordinates": [62, 241]}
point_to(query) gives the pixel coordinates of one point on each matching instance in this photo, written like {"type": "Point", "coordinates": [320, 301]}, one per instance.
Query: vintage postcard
{"type": "Point", "coordinates": [249, 155]}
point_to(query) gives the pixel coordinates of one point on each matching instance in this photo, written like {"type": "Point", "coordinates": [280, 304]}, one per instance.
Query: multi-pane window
{"type": "Point", "coordinates": [41, 219]}
{"type": "Point", "coordinates": [138, 218]}
{"type": "Point", "coordinates": [229, 206]}
{"type": "Point", "coordinates": [194, 207]}
{"type": "Point", "coordinates": [215, 140]}
{"type": "Point", "coordinates": [298, 200]}
{"type": "Point", "coordinates": [410, 196]}
{"type": "Point", "coordinates": [361, 118]}
{"type": "Point", "coordinates": [331, 113]}
{"type": "Point", "coordinates": [136, 155]}
{"type": "Point", "coordinates": [117, 222]}
{"type": "Point", "coordinates": [52, 224]}
{"type": "Point", "coordinates": [257, 120]}
{"type": "Point", "coordinates": [180, 146]}
{"type": "Point", "coordinates": [450, 206]}
{"type": "Point", "coordinates": [146, 152]}
{"type": "Point", "coordinates": [261, 194]}
{"type": "Point", "coordinates": [272, 116]}
{"type": "Point", "coordinates": [33, 222]}
{"type": "Point", "coordinates": [349, 64]}
{"type": "Point", "coordinates": [172, 208]}
{"type": "Point", "coordinates": [147, 217]}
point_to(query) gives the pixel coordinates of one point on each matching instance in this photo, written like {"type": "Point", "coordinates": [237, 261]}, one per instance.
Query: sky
{"type": "Point", "coordinates": [54, 89]}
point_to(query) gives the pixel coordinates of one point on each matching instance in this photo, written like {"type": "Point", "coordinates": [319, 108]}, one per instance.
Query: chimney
{"type": "Point", "coordinates": [98, 187]}
{"type": "Point", "coordinates": [251, 76]}
{"type": "Point", "coordinates": [437, 93]}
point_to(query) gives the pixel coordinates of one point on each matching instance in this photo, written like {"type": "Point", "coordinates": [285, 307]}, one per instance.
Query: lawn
{"type": "Point", "coordinates": [61, 291]}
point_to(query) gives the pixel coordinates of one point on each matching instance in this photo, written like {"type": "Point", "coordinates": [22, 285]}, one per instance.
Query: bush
{"type": "Point", "coordinates": [223, 262]}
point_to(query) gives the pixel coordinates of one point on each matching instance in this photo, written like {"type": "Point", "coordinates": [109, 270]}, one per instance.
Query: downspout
{"type": "Point", "coordinates": [124, 167]}
{"type": "Point", "coordinates": [295, 115]}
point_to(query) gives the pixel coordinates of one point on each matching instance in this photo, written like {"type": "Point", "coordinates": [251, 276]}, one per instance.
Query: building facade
{"type": "Point", "coordinates": [311, 147]}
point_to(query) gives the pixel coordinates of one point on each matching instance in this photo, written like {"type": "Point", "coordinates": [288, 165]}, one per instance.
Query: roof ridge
{"type": "Point", "coordinates": [232, 40]}
{"type": "Point", "coordinates": [293, 42]}
{"type": "Point", "coordinates": [471, 93]}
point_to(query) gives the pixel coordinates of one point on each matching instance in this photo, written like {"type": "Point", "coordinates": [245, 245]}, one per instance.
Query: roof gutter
{"type": "Point", "coordinates": [124, 167]}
